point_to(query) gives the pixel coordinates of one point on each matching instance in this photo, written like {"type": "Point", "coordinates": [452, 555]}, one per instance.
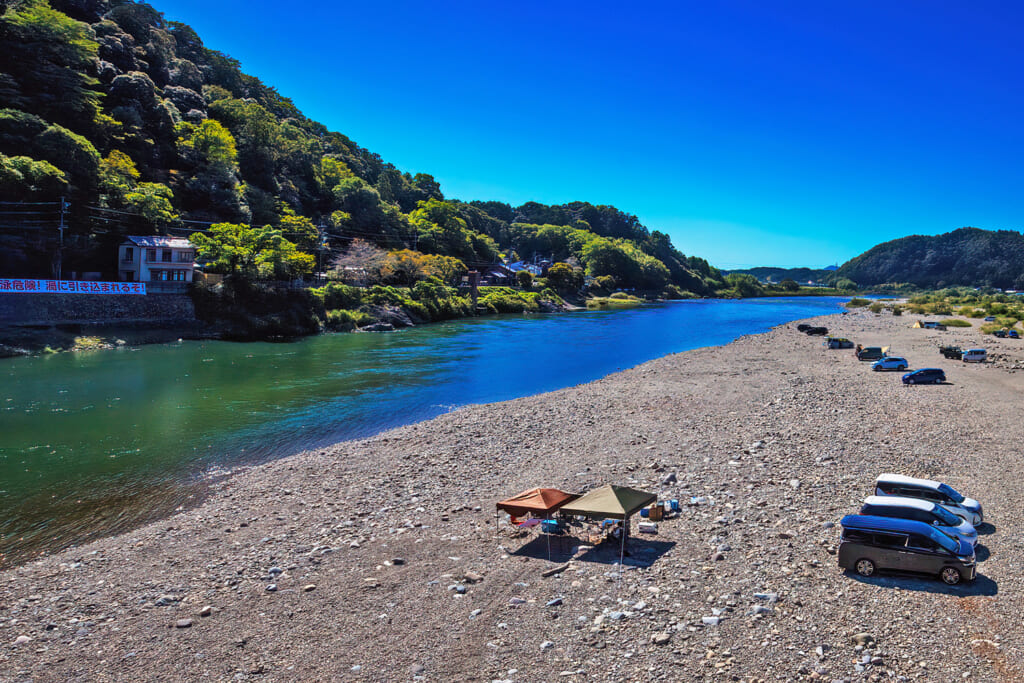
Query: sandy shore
{"type": "Point", "coordinates": [370, 544]}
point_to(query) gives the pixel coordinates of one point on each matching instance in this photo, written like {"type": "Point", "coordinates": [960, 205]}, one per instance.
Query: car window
{"type": "Point", "coordinates": [891, 540]}
{"type": "Point", "coordinates": [856, 536]}
{"type": "Point", "coordinates": [920, 542]}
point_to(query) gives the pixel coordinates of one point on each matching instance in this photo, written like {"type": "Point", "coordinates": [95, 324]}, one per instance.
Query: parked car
{"type": "Point", "coordinates": [803, 327]}
{"type": "Point", "coordinates": [975, 356]}
{"type": "Point", "coordinates": [925, 376]}
{"type": "Point", "coordinates": [990, 318]}
{"type": "Point", "coordinates": [1013, 334]}
{"type": "Point", "coordinates": [838, 343]}
{"type": "Point", "coordinates": [1002, 334]}
{"type": "Point", "coordinates": [923, 511]}
{"type": "Point", "coordinates": [816, 330]}
{"type": "Point", "coordinates": [871, 353]}
{"type": "Point", "coordinates": [954, 352]}
{"type": "Point", "coordinates": [890, 363]}
{"type": "Point", "coordinates": [889, 484]}
{"type": "Point", "coordinates": [870, 544]}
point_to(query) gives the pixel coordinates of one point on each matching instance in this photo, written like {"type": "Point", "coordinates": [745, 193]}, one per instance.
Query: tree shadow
{"type": "Point", "coordinates": [982, 585]}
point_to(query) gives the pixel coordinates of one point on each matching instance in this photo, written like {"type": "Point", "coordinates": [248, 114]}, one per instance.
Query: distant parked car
{"type": "Point", "coordinates": [873, 543]}
{"type": "Point", "coordinates": [990, 318]}
{"type": "Point", "coordinates": [925, 376]}
{"type": "Point", "coordinates": [803, 327]}
{"type": "Point", "coordinates": [816, 331]}
{"type": "Point", "coordinates": [890, 363]}
{"type": "Point", "coordinates": [838, 343]}
{"type": "Point", "coordinates": [871, 353]}
{"type": "Point", "coordinates": [968, 509]}
{"type": "Point", "coordinates": [1002, 334]}
{"type": "Point", "coordinates": [975, 356]}
{"type": "Point", "coordinates": [1013, 334]}
{"type": "Point", "coordinates": [954, 352]}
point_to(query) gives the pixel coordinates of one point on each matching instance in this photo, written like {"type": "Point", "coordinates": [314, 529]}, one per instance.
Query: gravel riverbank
{"type": "Point", "coordinates": [378, 560]}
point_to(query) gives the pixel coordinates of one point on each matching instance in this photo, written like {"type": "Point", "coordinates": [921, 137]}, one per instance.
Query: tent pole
{"type": "Point", "coordinates": [549, 541]}
{"type": "Point", "coordinates": [622, 551]}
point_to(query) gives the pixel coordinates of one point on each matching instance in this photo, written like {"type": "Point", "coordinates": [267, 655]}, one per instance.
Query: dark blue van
{"type": "Point", "coordinates": [871, 544]}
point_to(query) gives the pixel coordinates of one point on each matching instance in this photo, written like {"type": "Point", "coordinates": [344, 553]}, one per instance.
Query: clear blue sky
{"type": "Point", "coordinates": [754, 133]}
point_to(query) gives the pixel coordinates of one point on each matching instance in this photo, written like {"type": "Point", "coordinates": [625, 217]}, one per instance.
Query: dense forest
{"type": "Point", "coordinates": [968, 256]}
{"type": "Point", "coordinates": [115, 121]}
{"type": "Point", "coordinates": [773, 274]}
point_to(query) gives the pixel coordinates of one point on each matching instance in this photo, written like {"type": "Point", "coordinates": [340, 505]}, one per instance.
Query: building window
{"type": "Point", "coordinates": [129, 254]}
{"type": "Point", "coordinates": [165, 256]}
{"type": "Point", "coordinates": [185, 257]}
{"type": "Point", "coordinates": [151, 255]}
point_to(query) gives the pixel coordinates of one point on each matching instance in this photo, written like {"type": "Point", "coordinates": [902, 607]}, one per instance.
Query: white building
{"type": "Point", "coordinates": [156, 259]}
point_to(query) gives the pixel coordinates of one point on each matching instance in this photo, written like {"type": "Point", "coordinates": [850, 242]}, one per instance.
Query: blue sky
{"type": "Point", "coordinates": [753, 133]}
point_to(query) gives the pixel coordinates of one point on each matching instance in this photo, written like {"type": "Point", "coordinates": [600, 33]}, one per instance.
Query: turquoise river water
{"type": "Point", "coordinates": [97, 442]}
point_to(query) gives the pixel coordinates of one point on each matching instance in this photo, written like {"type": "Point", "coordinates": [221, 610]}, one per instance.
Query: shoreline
{"type": "Point", "coordinates": [736, 424]}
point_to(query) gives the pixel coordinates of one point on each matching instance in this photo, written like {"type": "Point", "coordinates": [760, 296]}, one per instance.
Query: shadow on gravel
{"type": "Point", "coordinates": [982, 585]}
{"type": "Point", "coordinates": [642, 552]}
{"type": "Point", "coordinates": [984, 529]}
{"type": "Point", "coordinates": [981, 552]}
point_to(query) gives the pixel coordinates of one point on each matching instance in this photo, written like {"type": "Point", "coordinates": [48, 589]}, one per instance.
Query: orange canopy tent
{"type": "Point", "coordinates": [538, 502]}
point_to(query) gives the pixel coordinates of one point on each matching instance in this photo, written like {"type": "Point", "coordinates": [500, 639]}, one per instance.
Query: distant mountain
{"type": "Point", "coordinates": [968, 256]}
{"type": "Point", "coordinates": [801, 275]}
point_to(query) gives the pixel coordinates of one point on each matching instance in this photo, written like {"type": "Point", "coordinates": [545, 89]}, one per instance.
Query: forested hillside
{"type": "Point", "coordinates": [145, 130]}
{"type": "Point", "coordinates": [968, 256]}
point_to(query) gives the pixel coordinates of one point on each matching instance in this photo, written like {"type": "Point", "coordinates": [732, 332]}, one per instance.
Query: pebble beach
{"type": "Point", "coordinates": [383, 560]}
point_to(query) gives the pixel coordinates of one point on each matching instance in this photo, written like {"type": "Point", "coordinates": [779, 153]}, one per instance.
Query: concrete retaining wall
{"type": "Point", "coordinates": [42, 309]}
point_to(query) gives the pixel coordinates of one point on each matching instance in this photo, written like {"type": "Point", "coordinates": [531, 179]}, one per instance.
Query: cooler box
{"type": "Point", "coordinates": [648, 527]}
{"type": "Point", "coordinates": [549, 526]}
{"type": "Point", "coordinates": [644, 512]}
{"type": "Point", "coordinates": [674, 504]}
{"type": "Point", "coordinates": [655, 512]}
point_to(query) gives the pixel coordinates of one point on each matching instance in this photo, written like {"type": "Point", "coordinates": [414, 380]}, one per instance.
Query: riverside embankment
{"type": "Point", "coordinates": [385, 563]}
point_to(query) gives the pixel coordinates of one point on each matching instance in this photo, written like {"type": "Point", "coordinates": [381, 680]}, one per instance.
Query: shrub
{"type": "Point", "coordinates": [341, 320]}
{"type": "Point", "coordinates": [857, 302]}
{"type": "Point", "coordinates": [956, 322]}
{"type": "Point", "coordinates": [897, 310]}
{"type": "Point", "coordinates": [876, 307]}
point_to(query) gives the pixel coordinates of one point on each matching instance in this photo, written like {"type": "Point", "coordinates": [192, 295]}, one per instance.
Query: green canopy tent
{"type": "Point", "coordinates": [611, 502]}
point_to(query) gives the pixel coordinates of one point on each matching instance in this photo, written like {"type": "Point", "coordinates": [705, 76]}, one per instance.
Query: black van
{"type": "Point", "coordinates": [872, 543]}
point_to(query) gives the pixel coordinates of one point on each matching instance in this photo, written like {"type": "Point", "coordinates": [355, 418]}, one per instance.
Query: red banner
{"type": "Point", "coordinates": [19, 286]}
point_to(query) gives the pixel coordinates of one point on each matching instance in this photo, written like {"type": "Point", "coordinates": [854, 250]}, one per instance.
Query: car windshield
{"type": "Point", "coordinates": [946, 517]}
{"type": "Point", "coordinates": [951, 492]}
{"type": "Point", "coordinates": [945, 541]}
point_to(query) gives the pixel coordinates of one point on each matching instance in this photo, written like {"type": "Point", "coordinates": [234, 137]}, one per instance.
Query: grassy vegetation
{"type": "Point", "coordinates": [857, 302]}
{"type": "Point", "coordinates": [616, 300]}
{"type": "Point", "coordinates": [956, 322]}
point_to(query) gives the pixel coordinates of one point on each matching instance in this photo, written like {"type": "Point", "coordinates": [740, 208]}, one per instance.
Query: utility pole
{"type": "Point", "coordinates": [60, 245]}
{"type": "Point", "coordinates": [321, 244]}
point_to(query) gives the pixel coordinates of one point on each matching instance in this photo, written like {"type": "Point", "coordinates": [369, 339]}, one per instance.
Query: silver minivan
{"type": "Point", "coordinates": [920, 510]}
{"type": "Point", "coordinates": [911, 487]}
{"type": "Point", "coordinates": [975, 356]}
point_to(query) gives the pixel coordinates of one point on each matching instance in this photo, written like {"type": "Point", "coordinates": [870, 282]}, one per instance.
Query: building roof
{"type": "Point", "coordinates": [160, 241]}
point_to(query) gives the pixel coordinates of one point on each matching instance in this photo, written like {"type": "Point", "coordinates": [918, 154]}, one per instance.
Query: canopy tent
{"type": "Point", "coordinates": [610, 501]}
{"type": "Point", "coordinates": [538, 502]}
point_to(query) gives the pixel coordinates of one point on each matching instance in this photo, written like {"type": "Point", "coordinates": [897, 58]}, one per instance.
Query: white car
{"type": "Point", "coordinates": [966, 509]}
{"type": "Point", "coordinates": [890, 363]}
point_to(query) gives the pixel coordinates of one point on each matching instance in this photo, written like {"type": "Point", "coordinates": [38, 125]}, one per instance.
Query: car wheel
{"type": "Point", "coordinates": [866, 567]}
{"type": "Point", "coordinates": [876, 368]}
{"type": "Point", "coordinates": [902, 368]}
{"type": "Point", "coordinates": [910, 381]}
{"type": "Point", "coordinates": [951, 576]}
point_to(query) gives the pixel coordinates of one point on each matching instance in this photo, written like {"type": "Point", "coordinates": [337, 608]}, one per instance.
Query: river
{"type": "Point", "coordinates": [93, 443]}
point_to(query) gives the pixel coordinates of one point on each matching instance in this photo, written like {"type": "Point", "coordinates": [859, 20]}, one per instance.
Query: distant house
{"type": "Point", "coordinates": [156, 259]}
{"type": "Point", "coordinates": [498, 274]}
{"type": "Point", "coordinates": [522, 265]}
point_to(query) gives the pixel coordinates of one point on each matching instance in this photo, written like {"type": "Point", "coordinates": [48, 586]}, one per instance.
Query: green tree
{"type": "Point", "coordinates": [789, 285]}
{"type": "Point", "coordinates": [251, 253]}
{"type": "Point", "coordinates": [155, 203]}
{"type": "Point", "coordinates": [118, 177]}
{"type": "Point", "coordinates": [20, 175]}
{"type": "Point", "coordinates": [524, 278]}
{"type": "Point", "coordinates": [564, 278]}
{"type": "Point", "coordinates": [744, 284]}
